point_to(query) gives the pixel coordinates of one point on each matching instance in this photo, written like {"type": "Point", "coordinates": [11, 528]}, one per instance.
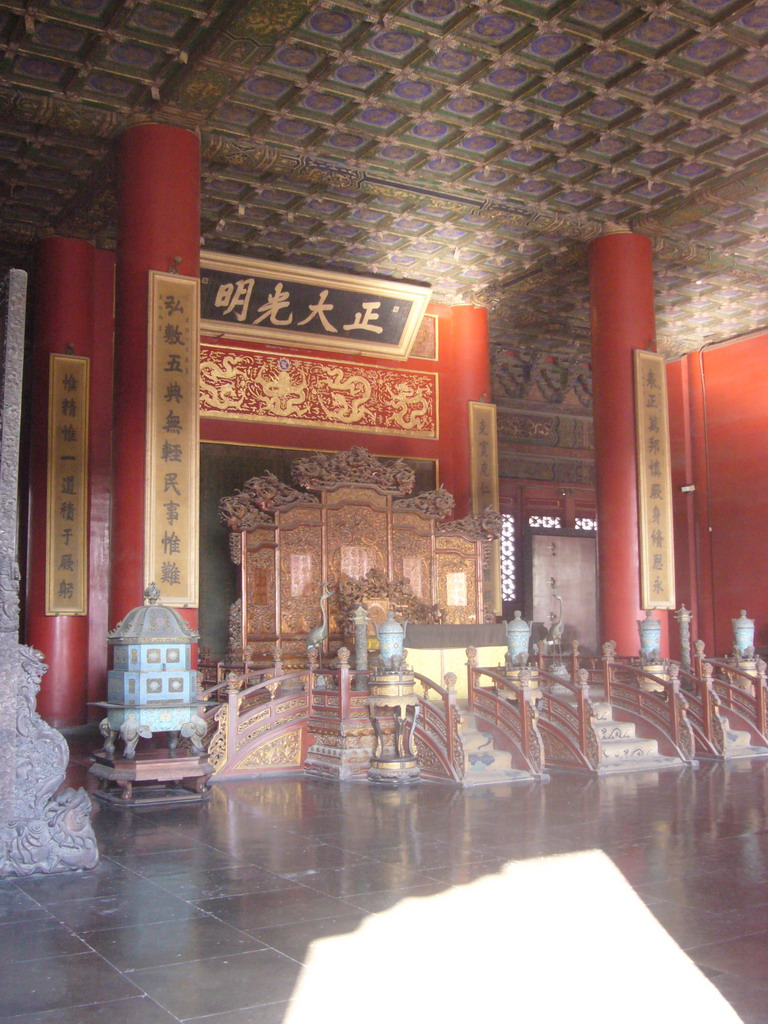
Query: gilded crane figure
{"type": "Point", "coordinates": [556, 628]}
{"type": "Point", "coordinates": [318, 633]}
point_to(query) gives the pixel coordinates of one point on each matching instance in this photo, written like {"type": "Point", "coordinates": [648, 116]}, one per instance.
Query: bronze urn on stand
{"type": "Point", "coordinates": [393, 761]}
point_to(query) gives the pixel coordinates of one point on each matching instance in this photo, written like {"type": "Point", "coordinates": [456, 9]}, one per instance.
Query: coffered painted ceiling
{"type": "Point", "coordinates": [477, 147]}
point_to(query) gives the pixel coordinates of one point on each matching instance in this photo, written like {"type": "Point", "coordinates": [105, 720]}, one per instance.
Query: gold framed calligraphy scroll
{"type": "Point", "coordinates": [172, 456]}
{"type": "Point", "coordinates": [484, 476]}
{"type": "Point", "coordinates": [66, 564]}
{"type": "Point", "coordinates": [654, 482]}
{"type": "Point", "coordinates": [307, 308]}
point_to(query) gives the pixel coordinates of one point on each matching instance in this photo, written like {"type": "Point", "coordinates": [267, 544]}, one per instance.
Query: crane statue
{"type": "Point", "coordinates": [318, 633]}
{"type": "Point", "coordinates": [555, 631]}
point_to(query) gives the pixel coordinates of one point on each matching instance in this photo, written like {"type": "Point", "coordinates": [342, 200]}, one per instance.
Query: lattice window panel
{"type": "Point", "coordinates": [545, 522]}
{"type": "Point", "coordinates": [508, 566]}
{"type": "Point", "coordinates": [585, 523]}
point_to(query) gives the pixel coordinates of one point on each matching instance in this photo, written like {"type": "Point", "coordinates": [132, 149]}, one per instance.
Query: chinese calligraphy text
{"type": "Point", "coordinates": [484, 467]}
{"type": "Point", "coordinates": [654, 482]}
{"type": "Point", "coordinates": [309, 308]}
{"type": "Point", "coordinates": [171, 513]}
{"type": "Point", "coordinates": [67, 534]}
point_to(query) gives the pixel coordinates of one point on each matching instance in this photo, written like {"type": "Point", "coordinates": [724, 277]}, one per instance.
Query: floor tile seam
{"type": "Point", "coordinates": [242, 1009]}
{"type": "Point", "coordinates": [219, 956]}
{"type": "Point", "coordinates": [128, 971]}
{"type": "Point", "coordinates": [364, 892]}
{"type": "Point", "coordinates": [287, 924]}
{"type": "Point", "coordinates": [205, 913]}
{"type": "Point", "coordinates": [75, 1006]}
{"type": "Point", "coordinates": [693, 906]}
{"type": "Point", "coordinates": [38, 905]}
{"type": "Point", "coordinates": [728, 941]}
{"type": "Point", "coordinates": [246, 892]}
{"type": "Point", "coordinates": [214, 870]}
{"type": "Point", "coordinates": [114, 967]}
{"type": "Point", "coordinates": [142, 924]}
{"type": "Point", "coordinates": [179, 870]}
{"type": "Point", "coordinates": [72, 933]}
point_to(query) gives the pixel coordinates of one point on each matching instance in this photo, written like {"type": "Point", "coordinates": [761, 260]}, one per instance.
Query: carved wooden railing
{"type": "Point", "coordinates": [664, 712]}
{"type": "Point", "coordinates": [258, 705]}
{"type": "Point", "coordinates": [566, 726]}
{"type": "Point", "coordinates": [339, 693]}
{"type": "Point", "coordinates": [745, 703]}
{"type": "Point", "coordinates": [703, 711]}
{"type": "Point", "coordinates": [441, 752]}
{"type": "Point", "coordinates": [727, 672]}
{"type": "Point", "coordinates": [509, 707]}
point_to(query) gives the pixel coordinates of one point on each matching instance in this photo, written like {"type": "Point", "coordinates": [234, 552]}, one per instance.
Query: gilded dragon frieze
{"type": "Point", "coordinates": [264, 387]}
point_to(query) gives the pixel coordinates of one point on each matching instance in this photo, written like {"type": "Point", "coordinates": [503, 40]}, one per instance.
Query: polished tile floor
{"type": "Point", "coordinates": [206, 912]}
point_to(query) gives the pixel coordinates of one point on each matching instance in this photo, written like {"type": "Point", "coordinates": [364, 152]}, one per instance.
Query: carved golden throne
{"type": "Point", "coordinates": [350, 522]}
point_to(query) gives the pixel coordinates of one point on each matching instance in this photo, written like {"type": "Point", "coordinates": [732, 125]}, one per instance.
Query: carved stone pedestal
{"type": "Point", "coordinates": [42, 829]}
{"type": "Point", "coordinates": [164, 777]}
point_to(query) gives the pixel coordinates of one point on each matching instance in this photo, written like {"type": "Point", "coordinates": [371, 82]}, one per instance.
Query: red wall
{"type": "Point", "coordinates": [719, 425]}
{"type": "Point", "coordinates": [463, 375]}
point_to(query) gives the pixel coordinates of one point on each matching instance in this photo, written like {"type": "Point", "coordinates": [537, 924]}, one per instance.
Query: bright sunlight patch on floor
{"type": "Point", "coordinates": [555, 939]}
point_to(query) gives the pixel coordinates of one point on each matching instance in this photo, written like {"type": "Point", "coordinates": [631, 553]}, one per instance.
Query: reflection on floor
{"type": "Point", "coordinates": [207, 912]}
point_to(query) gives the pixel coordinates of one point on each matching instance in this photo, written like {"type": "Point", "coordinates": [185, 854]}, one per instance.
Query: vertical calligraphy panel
{"type": "Point", "coordinates": [172, 458]}
{"type": "Point", "coordinates": [654, 482]}
{"type": "Point", "coordinates": [66, 564]}
{"type": "Point", "coordinates": [484, 468]}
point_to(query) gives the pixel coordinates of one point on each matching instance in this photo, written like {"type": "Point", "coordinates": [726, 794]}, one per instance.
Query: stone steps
{"type": "Point", "coordinates": [738, 742]}
{"type": "Point", "coordinates": [483, 763]}
{"type": "Point", "coordinates": [620, 748]}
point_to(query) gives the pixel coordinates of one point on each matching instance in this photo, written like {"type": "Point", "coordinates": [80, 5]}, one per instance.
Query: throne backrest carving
{"type": "Point", "coordinates": [351, 522]}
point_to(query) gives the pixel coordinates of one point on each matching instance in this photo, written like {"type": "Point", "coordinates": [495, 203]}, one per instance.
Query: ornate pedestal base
{"type": "Point", "coordinates": [393, 761]}
{"type": "Point", "coordinates": [340, 750]}
{"type": "Point", "coordinates": [165, 777]}
{"type": "Point", "coordinates": [394, 771]}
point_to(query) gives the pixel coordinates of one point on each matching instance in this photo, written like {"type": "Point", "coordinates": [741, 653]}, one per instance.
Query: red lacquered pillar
{"type": "Point", "coordinates": [158, 229]}
{"type": "Point", "coordinates": [621, 306]}
{"type": "Point", "coordinates": [64, 316]}
{"type": "Point", "coordinates": [468, 380]}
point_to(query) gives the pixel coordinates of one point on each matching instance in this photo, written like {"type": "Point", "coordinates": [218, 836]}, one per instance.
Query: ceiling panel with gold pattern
{"type": "Point", "coordinates": [477, 147]}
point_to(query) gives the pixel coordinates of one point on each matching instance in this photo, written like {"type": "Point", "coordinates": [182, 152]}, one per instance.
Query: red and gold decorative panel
{"type": "Point", "coordinates": [654, 482]}
{"type": "Point", "coordinates": [259, 576]}
{"type": "Point", "coordinates": [172, 456]}
{"type": "Point", "coordinates": [263, 387]}
{"type": "Point", "coordinates": [357, 541]}
{"type": "Point", "coordinates": [301, 563]}
{"type": "Point", "coordinates": [457, 588]}
{"type": "Point", "coordinates": [66, 563]}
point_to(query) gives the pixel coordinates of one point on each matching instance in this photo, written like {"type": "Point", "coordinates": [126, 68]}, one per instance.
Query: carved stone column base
{"type": "Point", "coordinates": [39, 833]}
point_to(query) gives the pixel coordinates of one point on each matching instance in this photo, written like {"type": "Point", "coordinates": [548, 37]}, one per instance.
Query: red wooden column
{"type": "Point", "coordinates": [64, 316]}
{"type": "Point", "coordinates": [468, 380]}
{"type": "Point", "coordinates": [158, 229]}
{"type": "Point", "coordinates": [621, 301]}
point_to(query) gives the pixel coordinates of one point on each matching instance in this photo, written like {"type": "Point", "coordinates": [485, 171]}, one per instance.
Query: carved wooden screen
{"type": "Point", "coordinates": [362, 536]}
